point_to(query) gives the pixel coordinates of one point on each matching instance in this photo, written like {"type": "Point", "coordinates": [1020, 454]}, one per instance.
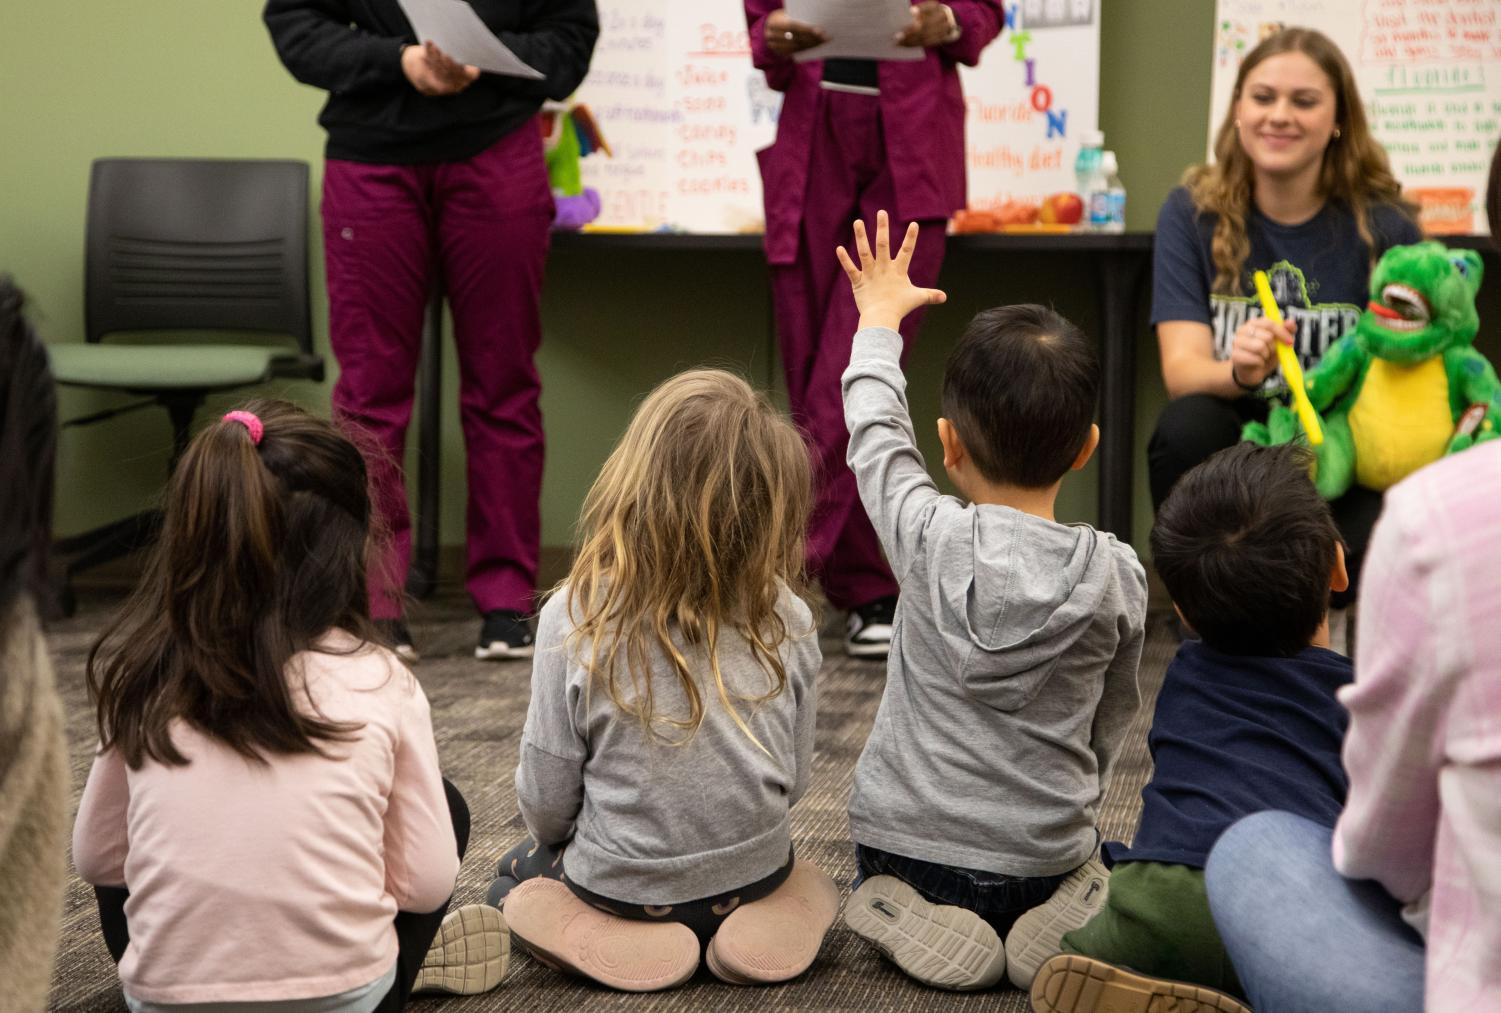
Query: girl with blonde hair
{"type": "Point", "coordinates": [1300, 189]}
{"type": "Point", "coordinates": [671, 720]}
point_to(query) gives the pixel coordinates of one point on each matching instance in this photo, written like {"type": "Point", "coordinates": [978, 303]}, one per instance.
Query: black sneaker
{"type": "Point", "coordinates": [505, 634]}
{"type": "Point", "coordinates": [399, 639]}
{"type": "Point", "coordinates": [867, 632]}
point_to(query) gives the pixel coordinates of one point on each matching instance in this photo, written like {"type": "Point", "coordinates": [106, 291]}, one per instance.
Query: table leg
{"type": "Point", "coordinates": [1119, 276]}
{"type": "Point", "coordinates": [422, 576]}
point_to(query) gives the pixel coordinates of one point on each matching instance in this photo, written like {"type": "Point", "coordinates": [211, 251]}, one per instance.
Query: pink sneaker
{"type": "Point", "coordinates": [563, 932]}
{"type": "Point", "coordinates": [777, 937]}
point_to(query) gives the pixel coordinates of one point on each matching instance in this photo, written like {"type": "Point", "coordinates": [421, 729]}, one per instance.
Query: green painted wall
{"type": "Point", "coordinates": [189, 78]}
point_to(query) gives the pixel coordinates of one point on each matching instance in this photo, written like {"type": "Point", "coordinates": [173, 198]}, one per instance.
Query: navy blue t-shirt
{"type": "Point", "coordinates": [1319, 271]}
{"type": "Point", "coordinates": [1233, 736]}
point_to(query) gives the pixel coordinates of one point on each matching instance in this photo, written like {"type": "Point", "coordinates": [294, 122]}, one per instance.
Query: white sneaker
{"type": "Point", "coordinates": [867, 631]}
{"type": "Point", "coordinates": [938, 944]}
{"type": "Point", "coordinates": [470, 953]}
{"type": "Point", "coordinates": [1038, 934]}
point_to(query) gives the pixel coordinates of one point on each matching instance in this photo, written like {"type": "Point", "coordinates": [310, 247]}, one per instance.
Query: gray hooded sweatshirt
{"type": "Point", "coordinates": [1012, 673]}
{"type": "Point", "coordinates": [648, 822]}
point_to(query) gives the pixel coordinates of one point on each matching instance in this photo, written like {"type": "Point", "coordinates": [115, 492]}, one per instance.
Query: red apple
{"type": "Point", "coordinates": [1062, 209]}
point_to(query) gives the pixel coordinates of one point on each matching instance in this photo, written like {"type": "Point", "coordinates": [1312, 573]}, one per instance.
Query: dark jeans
{"type": "Point", "coordinates": [997, 898]}
{"type": "Point", "coordinates": [1193, 427]}
{"type": "Point", "coordinates": [414, 931]}
{"type": "Point", "coordinates": [529, 860]}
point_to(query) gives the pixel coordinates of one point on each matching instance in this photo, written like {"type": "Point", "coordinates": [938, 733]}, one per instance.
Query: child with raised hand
{"type": "Point", "coordinates": [1247, 720]}
{"type": "Point", "coordinates": [265, 824]}
{"type": "Point", "coordinates": [1012, 674]}
{"type": "Point", "coordinates": [671, 722]}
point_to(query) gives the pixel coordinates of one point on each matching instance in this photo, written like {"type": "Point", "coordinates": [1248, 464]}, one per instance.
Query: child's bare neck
{"type": "Point", "coordinates": [1321, 636]}
{"type": "Point", "coordinates": [1037, 502]}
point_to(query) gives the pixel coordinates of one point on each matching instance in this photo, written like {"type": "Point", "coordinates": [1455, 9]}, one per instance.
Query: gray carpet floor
{"type": "Point", "coordinates": [478, 709]}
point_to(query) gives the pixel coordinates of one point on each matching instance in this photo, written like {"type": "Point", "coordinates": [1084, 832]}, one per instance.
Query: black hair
{"type": "Point", "coordinates": [28, 450]}
{"type": "Point", "coordinates": [1245, 546]}
{"type": "Point", "coordinates": [1020, 388]}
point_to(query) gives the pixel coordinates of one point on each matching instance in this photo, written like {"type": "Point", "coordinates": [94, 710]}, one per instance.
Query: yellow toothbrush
{"type": "Point", "coordinates": [1288, 360]}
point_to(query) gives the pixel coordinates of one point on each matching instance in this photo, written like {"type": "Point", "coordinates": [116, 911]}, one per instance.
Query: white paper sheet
{"type": "Point", "coordinates": [857, 29]}
{"type": "Point", "coordinates": [459, 32]}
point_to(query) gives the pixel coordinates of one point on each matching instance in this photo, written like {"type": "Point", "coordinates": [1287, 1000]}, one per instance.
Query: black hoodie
{"type": "Point", "coordinates": [352, 49]}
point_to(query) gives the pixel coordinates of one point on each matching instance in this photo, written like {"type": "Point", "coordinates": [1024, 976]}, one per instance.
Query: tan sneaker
{"type": "Point", "coordinates": [777, 937]}
{"type": "Point", "coordinates": [1069, 983]}
{"type": "Point", "coordinates": [1038, 934]}
{"type": "Point", "coordinates": [470, 953]}
{"type": "Point", "coordinates": [563, 932]}
{"type": "Point", "coordinates": [938, 944]}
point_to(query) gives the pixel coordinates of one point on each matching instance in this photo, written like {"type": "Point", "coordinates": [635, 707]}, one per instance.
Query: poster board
{"type": "Point", "coordinates": [1429, 73]}
{"type": "Point", "coordinates": [684, 112]}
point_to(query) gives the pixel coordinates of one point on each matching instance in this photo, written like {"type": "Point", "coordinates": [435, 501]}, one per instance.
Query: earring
{"type": "Point", "coordinates": [1336, 133]}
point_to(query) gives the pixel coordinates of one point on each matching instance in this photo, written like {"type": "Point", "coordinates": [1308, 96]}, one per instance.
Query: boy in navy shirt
{"type": "Point", "coordinates": [1247, 720]}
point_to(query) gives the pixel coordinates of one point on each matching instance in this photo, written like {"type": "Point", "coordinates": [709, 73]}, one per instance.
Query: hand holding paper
{"type": "Point", "coordinates": [785, 37]}
{"type": "Point", "coordinates": [856, 29]}
{"type": "Point", "coordinates": [433, 72]}
{"type": "Point", "coordinates": [460, 34]}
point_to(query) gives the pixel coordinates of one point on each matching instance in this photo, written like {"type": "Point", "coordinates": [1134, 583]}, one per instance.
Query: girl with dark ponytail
{"type": "Point", "coordinates": [267, 793]}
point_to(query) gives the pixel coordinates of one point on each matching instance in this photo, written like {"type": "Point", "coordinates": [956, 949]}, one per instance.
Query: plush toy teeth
{"type": "Point", "coordinates": [1402, 308]}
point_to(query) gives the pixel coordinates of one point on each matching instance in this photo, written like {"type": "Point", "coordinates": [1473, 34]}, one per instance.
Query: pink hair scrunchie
{"type": "Point", "coordinates": [250, 422]}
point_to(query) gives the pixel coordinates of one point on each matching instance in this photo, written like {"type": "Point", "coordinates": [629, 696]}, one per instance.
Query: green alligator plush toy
{"type": "Point", "coordinates": [1406, 387]}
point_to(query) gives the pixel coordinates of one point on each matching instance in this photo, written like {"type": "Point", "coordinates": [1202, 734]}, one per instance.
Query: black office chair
{"type": "Point", "coordinates": [195, 246]}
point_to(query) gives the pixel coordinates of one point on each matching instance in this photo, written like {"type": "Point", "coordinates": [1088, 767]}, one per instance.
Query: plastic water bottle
{"type": "Point", "coordinates": [1087, 176]}
{"type": "Point", "coordinates": [1115, 194]}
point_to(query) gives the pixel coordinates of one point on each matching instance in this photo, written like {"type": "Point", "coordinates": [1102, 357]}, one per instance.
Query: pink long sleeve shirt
{"type": "Point", "coordinates": [1424, 747]}
{"type": "Point", "coordinates": [275, 881]}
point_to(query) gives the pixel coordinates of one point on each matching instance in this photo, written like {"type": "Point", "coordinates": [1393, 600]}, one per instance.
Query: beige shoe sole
{"type": "Point", "coordinates": [469, 955]}
{"type": "Point", "coordinates": [1038, 934]}
{"type": "Point", "coordinates": [1073, 984]}
{"type": "Point", "coordinates": [564, 933]}
{"type": "Point", "coordinates": [777, 937]}
{"type": "Point", "coordinates": [938, 944]}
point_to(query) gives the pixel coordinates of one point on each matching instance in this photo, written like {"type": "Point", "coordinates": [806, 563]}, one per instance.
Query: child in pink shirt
{"type": "Point", "coordinates": [265, 822]}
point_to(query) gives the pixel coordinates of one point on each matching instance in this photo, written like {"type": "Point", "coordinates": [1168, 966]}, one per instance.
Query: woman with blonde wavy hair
{"type": "Point", "coordinates": [1300, 189]}
{"type": "Point", "coordinates": [671, 720]}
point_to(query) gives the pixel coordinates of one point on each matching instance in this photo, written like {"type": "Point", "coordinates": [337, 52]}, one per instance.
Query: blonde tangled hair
{"type": "Point", "coordinates": [1355, 170]}
{"type": "Point", "coordinates": [695, 523]}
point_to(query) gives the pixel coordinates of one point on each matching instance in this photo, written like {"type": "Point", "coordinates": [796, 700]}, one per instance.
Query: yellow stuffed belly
{"type": "Point", "coordinates": [1401, 421]}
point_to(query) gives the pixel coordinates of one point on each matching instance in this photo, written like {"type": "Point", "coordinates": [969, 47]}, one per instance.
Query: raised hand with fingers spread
{"type": "Point", "coordinates": [883, 292]}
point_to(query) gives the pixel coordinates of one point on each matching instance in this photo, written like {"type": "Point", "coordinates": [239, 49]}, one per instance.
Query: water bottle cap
{"type": "Point", "coordinates": [1108, 164]}
{"type": "Point", "coordinates": [1093, 138]}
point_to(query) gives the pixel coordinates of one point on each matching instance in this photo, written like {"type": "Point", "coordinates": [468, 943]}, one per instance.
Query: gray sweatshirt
{"type": "Point", "coordinates": [1012, 673]}
{"type": "Point", "coordinates": [653, 823]}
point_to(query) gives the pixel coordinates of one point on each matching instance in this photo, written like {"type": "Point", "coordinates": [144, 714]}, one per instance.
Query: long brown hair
{"type": "Point", "coordinates": [1355, 170]}
{"type": "Point", "coordinates": [262, 551]}
{"type": "Point", "coordinates": [693, 527]}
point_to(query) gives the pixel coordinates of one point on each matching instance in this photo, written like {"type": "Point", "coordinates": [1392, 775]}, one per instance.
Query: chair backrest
{"type": "Point", "coordinates": [189, 243]}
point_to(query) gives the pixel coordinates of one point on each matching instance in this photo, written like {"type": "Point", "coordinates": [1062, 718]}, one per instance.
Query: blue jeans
{"type": "Point", "coordinates": [997, 898]}
{"type": "Point", "coordinates": [1303, 938]}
